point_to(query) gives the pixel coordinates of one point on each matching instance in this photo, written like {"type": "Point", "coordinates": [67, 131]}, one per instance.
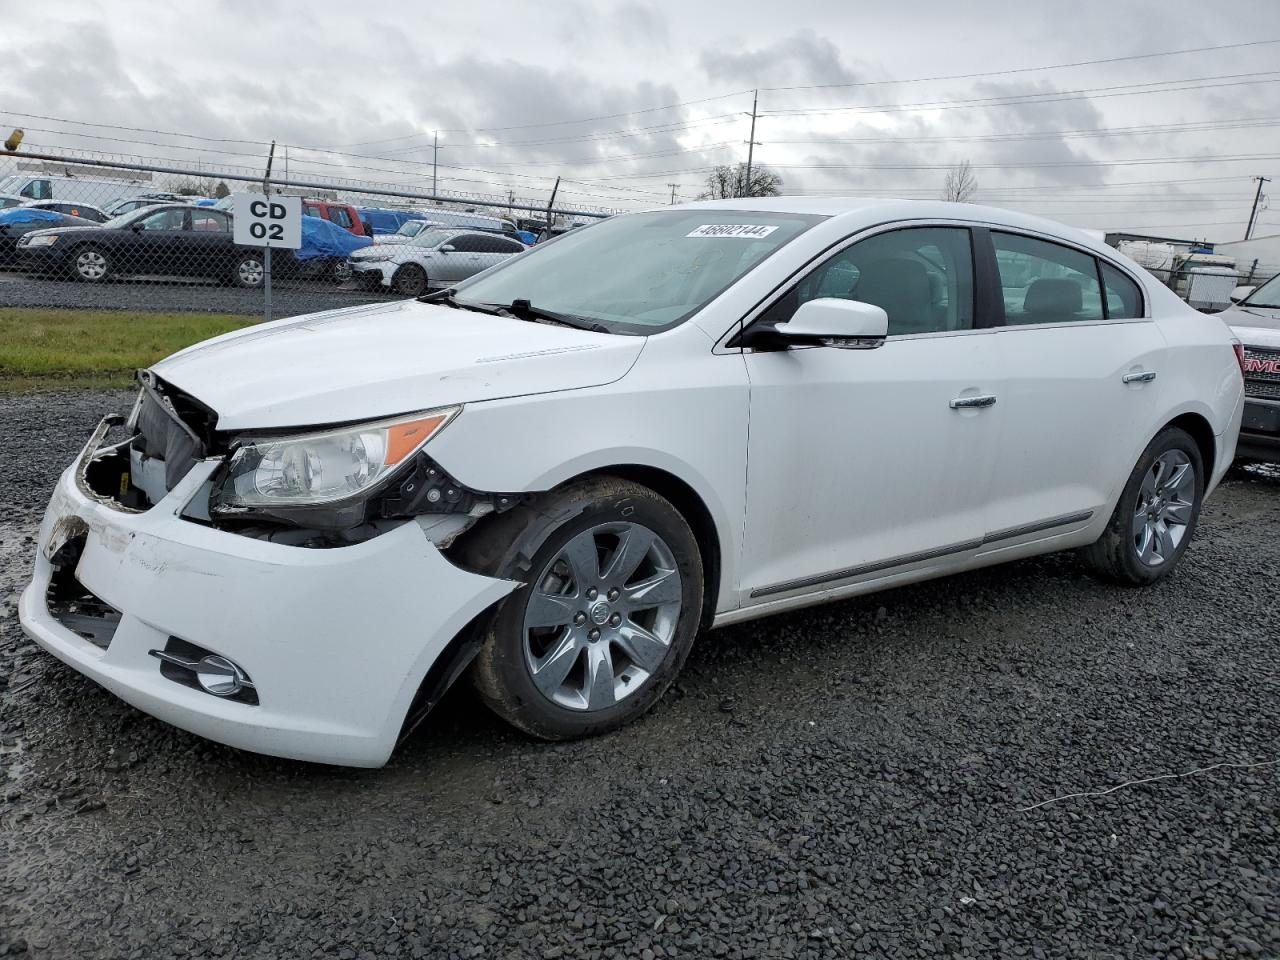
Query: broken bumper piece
{"type": "Point", "coordinates": [336, 641]}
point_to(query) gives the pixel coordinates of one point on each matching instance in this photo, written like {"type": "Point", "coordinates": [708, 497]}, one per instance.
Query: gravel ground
{"type": "Point", "coordinates": [288, 298]}
{"type": "Point", "coordinates": [850, 781]}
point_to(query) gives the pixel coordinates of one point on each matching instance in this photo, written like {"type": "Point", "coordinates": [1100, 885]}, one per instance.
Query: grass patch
{"type": "Point", "coordinates": [85, 349]}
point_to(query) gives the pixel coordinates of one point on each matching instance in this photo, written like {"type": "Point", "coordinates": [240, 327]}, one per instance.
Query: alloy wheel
{"type": "Point", "coordinates": [601, 616]}
{"type": "Point", "coordinates": [1165, 506]}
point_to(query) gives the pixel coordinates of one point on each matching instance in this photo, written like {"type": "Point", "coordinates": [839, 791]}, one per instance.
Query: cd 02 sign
{"type": "Point", "coordinates": [262, 221]}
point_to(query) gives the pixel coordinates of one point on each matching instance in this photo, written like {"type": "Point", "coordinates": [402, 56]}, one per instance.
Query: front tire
{"type": "Point", "coordinates": [1156, 515]}
{"type": "Point", "coordinates": [610, 606]}
{"type": "Point", "coordinates": [91, 265]}
{"type": "Point", "coordinates": [248, 273]}
{"type": "Point", "coordinates": [410, 281]}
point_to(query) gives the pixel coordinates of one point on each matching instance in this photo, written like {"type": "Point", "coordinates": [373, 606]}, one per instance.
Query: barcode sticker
{"type": "Point", "coordinates": [749, 231]}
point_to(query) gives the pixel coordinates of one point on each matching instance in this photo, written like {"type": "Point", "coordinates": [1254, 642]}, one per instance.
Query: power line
{"type": "Point", "coordinates": [1015, 70]}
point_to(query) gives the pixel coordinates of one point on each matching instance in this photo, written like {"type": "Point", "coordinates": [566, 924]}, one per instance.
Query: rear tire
{"type": "Point", "coordinates": [1156, 515]}
{"type": "Point", "coordinates": [608, 613]}
{"type": "Point", "coordinates": [410, 281]}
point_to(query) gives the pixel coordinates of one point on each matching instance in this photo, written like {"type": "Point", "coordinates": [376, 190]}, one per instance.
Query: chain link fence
{"type": "Point", "coordinates": [100, 231]}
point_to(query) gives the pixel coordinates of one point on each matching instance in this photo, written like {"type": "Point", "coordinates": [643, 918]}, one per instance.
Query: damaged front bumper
{"type": "Point", "coordinates": [336, 641]}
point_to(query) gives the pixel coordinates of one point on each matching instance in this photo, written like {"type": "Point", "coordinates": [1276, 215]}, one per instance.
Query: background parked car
{"type": "Point", "coordinates": [383, 222]}
{"type": "Point", "coordinates": [129, 204]}
{"type": "Point", "coordinates": [433, 258]}
{"type": "Point", "coordinates": [84, 211]}
{"type": "Point", "coordinates": [343, 214]}
{"type": "Point", "coordinates": [16, 222]}
{"type": "Point", "coordinates": [170, 240]}
{"type": "Point", "coordinates": [1256, 322]}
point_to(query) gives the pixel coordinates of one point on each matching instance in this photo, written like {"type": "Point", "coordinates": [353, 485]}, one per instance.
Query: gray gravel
{"type": "Point", "coordinates": [289, 298]}
{"type": "Point", "coordinates": [838, 783]}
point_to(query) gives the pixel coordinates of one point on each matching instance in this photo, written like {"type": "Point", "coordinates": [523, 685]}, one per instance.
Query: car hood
{"type": "Point", "coordinates": [1255, 326]}
{"type": "Point", "coordinates": [361, 363]}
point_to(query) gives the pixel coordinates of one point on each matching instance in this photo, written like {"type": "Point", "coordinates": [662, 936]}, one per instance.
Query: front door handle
{"type": "Point", "coordinates": [964, 403]}
{"type": "Point", "coordinates": [1140, 376]}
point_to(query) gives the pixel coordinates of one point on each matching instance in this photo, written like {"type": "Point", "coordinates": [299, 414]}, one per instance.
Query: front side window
{"type": "Point", "coordinates": [1124, 299]}
{"type": "Point", "coordinates": [1045, 282]}
{"type": "Point", "coordinates": [340, 217]}
{"type": "Point", "coordinates": [170, 219]}
{"type": "Point", "coordinates": [922, 277]}
{"type": "Point", "coordinates": [641, 273]}
{"type": "Point", "coordinates": [38, 190]}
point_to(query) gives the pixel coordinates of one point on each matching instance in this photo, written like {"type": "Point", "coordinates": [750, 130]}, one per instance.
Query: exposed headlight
{"type": "Point", "coordinates": [372, 258]}
{"type": "Point", "coordinates": [47, 240]}
{"type": "Point", "coordinates": [328, 467]}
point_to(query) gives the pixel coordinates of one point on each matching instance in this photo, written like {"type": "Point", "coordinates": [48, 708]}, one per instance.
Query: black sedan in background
{"type": "Point", "coordinates": [170, 240]}
{"type": "Point", "coordinates": [12, 232]}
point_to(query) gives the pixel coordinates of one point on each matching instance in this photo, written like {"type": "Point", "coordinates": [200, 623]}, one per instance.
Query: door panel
{"type": "Point", "coordinates": [857, 459]}
{"type": "Point", "coordinates": [1072, 428]}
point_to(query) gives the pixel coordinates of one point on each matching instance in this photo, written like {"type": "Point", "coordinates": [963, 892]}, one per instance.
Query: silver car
{"type": "Point", "coordinates": [432, 259]}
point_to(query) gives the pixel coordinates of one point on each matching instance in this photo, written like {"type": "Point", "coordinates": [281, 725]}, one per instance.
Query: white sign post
{"type": "Point", "coordinates": [267, 221]}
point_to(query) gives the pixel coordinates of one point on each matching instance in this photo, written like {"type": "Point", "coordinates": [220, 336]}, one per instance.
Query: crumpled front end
{"type": "Point", "coordinates": [320, 651]}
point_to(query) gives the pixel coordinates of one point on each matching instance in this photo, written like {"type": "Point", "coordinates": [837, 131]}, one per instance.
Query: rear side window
{"type": "Point", "coordinates": [468, 243]}
{"type": "Point", "coordinates": [340, 217]}
{"type": "Point", "coordinates": [208, 221]}
{"type": "Point", "coordinates": [508, 246]}
{"type": "Point", "coordinates": [1124, 299]}
{"type": "Point", "coordinates": [312, 211]}
{"type": "Point", "coordinates": [1044, 282]}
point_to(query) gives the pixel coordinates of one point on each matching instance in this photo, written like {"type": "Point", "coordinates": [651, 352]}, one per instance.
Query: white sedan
{"type": "Point", "coordinates": [554, 475]}
{"type": "Point", "coordinates": [432, 258]}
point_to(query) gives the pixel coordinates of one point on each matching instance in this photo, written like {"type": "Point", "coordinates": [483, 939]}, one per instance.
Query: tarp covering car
{"type": "Point", "coordinates": [320, 238]}
{"type": "Point", "coordinates": [31, 215]}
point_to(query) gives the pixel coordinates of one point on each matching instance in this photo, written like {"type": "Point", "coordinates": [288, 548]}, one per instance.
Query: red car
{"type": "Point", "coordinates": [343, 214]}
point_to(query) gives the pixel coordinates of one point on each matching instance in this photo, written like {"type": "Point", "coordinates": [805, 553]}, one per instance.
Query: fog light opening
{"type": "Point", "coordinates": [213, 673]}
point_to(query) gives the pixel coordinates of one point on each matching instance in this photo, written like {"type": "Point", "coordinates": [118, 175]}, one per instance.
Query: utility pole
{"type": "Point", "coordinates": [673, 191]}
{"type": "Point", "coordinates": [435, 162]}
{"type": "Point", "coordinates": [511, 198]}
{"type": "Point", "coordinates": [551, 203]}
{"type": "Point", "coordinates": [751, 143]}
{"type": "Point", "coordinates": [1253, 214]}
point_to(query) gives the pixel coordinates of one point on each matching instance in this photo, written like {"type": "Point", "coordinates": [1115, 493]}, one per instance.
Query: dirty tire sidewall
{"type": "Point", "coordinates": [501, 674]}
{"type": "Point", "coordinates": [1113, 556]}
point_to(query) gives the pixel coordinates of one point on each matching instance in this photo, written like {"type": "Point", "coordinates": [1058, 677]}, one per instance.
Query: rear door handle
{"type": "Point", "coordinates": [1140, 376]}
{"type": "Point", "coordinates": [963, 403]}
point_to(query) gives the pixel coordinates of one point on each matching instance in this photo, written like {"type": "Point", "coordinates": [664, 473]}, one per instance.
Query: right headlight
{"type": "Point", "coordinates": [323, 468]}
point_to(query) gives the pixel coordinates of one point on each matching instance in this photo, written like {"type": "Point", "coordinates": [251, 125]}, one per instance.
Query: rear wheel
{"type": "Point", "coordinates": [410, 281]}
{"type": "Point", "coordinates": [91, 265]}
{"type": "Point", "coordinates": [1156, 516]}
{"type": "Point", "coordinates": [611, 604]}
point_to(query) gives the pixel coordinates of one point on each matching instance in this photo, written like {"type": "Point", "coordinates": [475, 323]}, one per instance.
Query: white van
{"type": "Point", "coordinates": [99, 191]}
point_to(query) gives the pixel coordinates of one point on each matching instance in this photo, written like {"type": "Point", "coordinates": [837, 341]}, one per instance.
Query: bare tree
{"type": "Point", "coordinates": [725, 183]}
{"type": "Point", "coordinates": [961, 184]}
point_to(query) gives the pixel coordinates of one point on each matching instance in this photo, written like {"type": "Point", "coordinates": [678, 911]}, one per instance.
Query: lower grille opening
{"type": "Point", "coordinates": [73, 604]}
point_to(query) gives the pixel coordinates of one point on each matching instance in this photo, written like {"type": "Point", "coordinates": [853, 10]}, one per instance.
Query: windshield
{"type": "Point", "coordinates": [431, 238]}
{"type": "Point", "coordinates": [1267, 295]}
{"type": "Point", "coordinates": [10, 184]}
{"type": "Point", "coordinates": [410, 228]}
{"type": "Point", "coordinates": [642, 273]}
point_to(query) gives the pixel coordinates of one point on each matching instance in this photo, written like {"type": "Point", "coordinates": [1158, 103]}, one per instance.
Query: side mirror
{"type": "Point", "coordinates": [448, 248]}
{"type": "Point", "coordinates": [830, 322]}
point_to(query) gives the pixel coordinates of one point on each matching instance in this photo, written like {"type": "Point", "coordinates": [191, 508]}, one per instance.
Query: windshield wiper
{"type": "Point", "coordinates": [524, 310]}
{"type": "Point", "coordinates": [449, 298]}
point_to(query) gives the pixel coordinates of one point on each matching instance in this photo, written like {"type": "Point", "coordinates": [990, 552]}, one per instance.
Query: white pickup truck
{"type": "Point", "coordinates": [1256, 321]}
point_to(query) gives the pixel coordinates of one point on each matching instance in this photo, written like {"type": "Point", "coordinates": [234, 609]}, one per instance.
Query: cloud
{"type": "Point", "coordinates": [801, 58]}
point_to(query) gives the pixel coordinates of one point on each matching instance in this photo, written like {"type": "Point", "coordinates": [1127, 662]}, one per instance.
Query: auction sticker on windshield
{"type": "Point", "coordinates": [751, 231]}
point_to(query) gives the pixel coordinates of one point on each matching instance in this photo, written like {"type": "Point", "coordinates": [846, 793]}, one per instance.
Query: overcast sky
{"type": "Point", "coordinates": [521, 92]}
